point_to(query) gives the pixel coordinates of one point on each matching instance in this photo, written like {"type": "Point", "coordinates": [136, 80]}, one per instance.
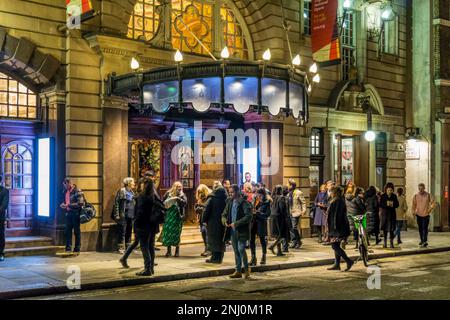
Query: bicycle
{"type": "Point", "coordinates": [360, 222]}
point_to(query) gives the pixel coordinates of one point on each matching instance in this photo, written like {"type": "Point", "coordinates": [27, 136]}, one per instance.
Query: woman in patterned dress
{"type": "Point", "coordinates": [175, 201]}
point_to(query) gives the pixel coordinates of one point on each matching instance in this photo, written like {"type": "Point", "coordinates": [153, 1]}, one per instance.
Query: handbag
{"type": "Point", "coordinates": [87, 212]}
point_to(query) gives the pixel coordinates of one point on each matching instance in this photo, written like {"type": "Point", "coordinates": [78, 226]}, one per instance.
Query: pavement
{"type": "Point", "coordinates": [45, 275]}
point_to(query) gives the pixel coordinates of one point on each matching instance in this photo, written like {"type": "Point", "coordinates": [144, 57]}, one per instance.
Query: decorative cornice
{"type": "Point", "coordinates": [129, 53]}
{"type": "Point", "coordinates": [114, 102]}
{"type": "Point", "coordinates": [54, 96]}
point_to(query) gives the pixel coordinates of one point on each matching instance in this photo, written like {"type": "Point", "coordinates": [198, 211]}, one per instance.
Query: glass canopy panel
{"type": "Point", "coordinates": [201, 92]}
{"type": "Point", "coordinates": [273, 94]}
{"type": "Point", "coordinates": [296, 100]}
{"type": "Point", "coordinates": [161, 95]}
{"type": "Point", "coordinates": [241, 92]}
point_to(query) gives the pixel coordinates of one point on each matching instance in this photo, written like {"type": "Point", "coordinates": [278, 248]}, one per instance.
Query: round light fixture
{"type": "Point", "coordinates": [370, 135]}
{"type": "Point", "coordinates": [134, 64]}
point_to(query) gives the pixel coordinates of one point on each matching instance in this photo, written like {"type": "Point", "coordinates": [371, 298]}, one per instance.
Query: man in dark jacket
{"type": "Point", "coordinates": [73, 202]}
{"type": "Point", "coordinates": [4, 201]}
{"type": "Point", "coordinates": [237, 216]}
{"type": "Point", "coordinates": [212, 218]}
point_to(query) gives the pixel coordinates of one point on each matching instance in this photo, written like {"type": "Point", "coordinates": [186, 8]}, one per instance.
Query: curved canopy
{"type": "Point", "coordinates": [243, 86]}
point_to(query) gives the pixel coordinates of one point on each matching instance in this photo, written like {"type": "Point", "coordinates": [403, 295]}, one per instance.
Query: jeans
{"type": "Point", "coordinates": [423, 223]}
{"type": "Point", "coordinates": [147, 242]}
{"type": "Point", "coordinates": [2, 237]}
{"type": "Point", "coordinates": [339, 253]}
{"type": "Point", "coordinates": [295, 231]}
{"type": "Point", "coordinates": [262, 240]}
{"type": "Point", "coordinates": [240, 254]}
{"type": "Point", "coordinates": [73, 223]}
{"type": "Point", "coordinates": [125, 226]}
{"type": "Point", "coordinates": [398, 228]}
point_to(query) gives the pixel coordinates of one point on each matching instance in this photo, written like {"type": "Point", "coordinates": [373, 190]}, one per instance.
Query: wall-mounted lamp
{"type": "Point", "coordinates": [225, 54]}
{"type": "Point", "coordinates": [134, 64]}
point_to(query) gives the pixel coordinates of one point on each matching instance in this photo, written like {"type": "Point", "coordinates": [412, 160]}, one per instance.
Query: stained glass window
{"type": "Point", "coordinates": [16, 100]}
{"type": "Point", "coordinates": [144, 21]}
{"type": "Point", "coordinates": [17, 167]}
{"type": "Point", "coordinates": [191, 21]}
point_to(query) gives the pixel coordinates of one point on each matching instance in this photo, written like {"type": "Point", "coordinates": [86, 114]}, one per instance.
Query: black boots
{"type": "Point", "coordinates": [392, 243]}
{"type": "Point", "coordinates": [253, 261]}
{"type": "Point", "coordinates": [124, 263]}
{"type": "Point", "coordinates": [385, 242]}
{"type": "Point", "coordinates": [177, 251]}
{"type": "Point", "coordinates": [263, 259]}
{"type": "Point", "coordinates": [169, 251]}
{"type": "Point", "coordinates": [279, 252]}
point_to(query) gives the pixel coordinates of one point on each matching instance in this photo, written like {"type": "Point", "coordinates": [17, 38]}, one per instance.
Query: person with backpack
{"type": "Point", "coordinates": [148, 215]}
{"type": "Point", "coordinates": [72, 205]}
{"type": "Point", "coordinates": [123, 211]}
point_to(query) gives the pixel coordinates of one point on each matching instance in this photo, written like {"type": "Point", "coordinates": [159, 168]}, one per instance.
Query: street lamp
{"type": "Point", "coordinates": [370, 135]}
{"type": "Point", "coordinates": [388, 13]}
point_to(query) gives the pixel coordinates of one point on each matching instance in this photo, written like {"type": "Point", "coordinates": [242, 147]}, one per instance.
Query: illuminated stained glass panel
{"type": "Point", "coordinates": [190, 20]}
{"type": "Point", "coordinates": [144, 21]}
{"type": "Point", "coordinates": [16, 100]}
{"type": "Point", "coordinates": [234, 37]}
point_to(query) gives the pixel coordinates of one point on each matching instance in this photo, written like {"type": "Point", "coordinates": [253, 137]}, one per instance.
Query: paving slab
{"type": "Point", "coordinates": [41, 275]}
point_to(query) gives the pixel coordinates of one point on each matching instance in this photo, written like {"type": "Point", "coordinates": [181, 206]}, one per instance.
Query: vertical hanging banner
{"type": "Point", "coordinates": [78, 11]}
{"type": "Point", "coordinates": [325, 33]}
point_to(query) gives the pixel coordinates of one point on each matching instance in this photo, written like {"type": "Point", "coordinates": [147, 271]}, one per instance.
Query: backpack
{"type": "Point", "coordinates": [87, 212]}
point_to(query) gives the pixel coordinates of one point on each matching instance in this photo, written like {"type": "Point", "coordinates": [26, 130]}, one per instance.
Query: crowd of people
{"type": "Point", "coordinates": [234, 215]}
{"type": "Point", "coordinates": [385, 212]}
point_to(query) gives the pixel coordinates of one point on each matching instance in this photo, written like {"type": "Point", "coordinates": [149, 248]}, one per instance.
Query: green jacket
{"type": "Point", "coordinates": [243, 219]}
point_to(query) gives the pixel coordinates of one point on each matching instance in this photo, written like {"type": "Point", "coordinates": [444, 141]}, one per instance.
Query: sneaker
{"type": "Point", "coordinates": [420, 243]}
{"type": "Point", "coordinates": [236, 275]}
{"type": "Point", "coordinates": [425, 244]}
{"type": "Point", "coordinates": [2, 257]}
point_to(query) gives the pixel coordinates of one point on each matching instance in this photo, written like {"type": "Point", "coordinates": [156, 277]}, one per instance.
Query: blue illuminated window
{"type": "Point", "coordinates": [201, 92]}
{"type": "Point", "coordinates": [241, 92]}
{"type": "Point", "coordinates": [161, 95]}
{"type": "Point", "coordinates": [296, 100]}
{"type": "Point", "coordinates": [273, 94]}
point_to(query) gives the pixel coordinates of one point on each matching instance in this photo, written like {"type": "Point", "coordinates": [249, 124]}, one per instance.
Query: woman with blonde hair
{"type": "Point", "coordinates": [201, 196]}
{"type": "Point", "coordinates": [175, 201]}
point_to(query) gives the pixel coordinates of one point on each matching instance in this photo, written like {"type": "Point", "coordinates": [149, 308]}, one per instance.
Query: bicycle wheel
{"type": "Point", "coordinates": [364, 254]}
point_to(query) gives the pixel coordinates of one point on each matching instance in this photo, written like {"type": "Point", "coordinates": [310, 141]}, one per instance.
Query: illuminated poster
{"type": "Point", "coordinates": [325, 33]}
{"type": "Point", "coordinates": [347, 160]}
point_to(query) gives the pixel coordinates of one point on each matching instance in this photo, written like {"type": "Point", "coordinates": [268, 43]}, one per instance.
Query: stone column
{"type": "Point", "coordinates": [115, 162]}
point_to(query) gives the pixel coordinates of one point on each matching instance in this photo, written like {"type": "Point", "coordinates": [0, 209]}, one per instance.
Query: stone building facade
{"type": "Point", "coordinates": [70, 68]}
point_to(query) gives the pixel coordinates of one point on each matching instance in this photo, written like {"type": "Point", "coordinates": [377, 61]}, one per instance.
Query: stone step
{"type": "Point", "coordinates": [34, 251]}
{"type": "Point", "coordinates": [26, 242]}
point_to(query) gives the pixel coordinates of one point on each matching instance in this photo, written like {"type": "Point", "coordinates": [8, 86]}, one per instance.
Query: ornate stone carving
{"type": "Point", "coordinates": [163, 36]}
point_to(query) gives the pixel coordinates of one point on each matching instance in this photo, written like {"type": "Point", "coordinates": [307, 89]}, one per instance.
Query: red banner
{"type": "Point", "coordinates": [81, 9]}
{"type": "Point", "coordinates": [325, 32]}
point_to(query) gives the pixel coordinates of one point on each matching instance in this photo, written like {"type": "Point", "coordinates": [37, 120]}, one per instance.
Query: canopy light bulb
{"type": "Point", "coordinates": [178, 56]}
{"type": "Point", "coordinates": [267, 55]}
{"type": "Point", "coordinates": [309, 88]}
{"type": "Point", "coordinates": [297, 60]}
{"type": "Point", "coordinates": [313, 68]}
{"type": "Point", "coordinates": [134, 64]}
{"type": "Point", "coordinates": [225, 54]}
{"type": "Point", "coordinates": [316, 78]}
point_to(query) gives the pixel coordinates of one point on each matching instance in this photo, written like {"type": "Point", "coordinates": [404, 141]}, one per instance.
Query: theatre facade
{"type": "Point", "coordinates": [111, 95]}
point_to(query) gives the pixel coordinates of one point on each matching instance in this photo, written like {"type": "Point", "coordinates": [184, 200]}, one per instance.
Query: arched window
{"type": "Point", "coordinates": [17, 166]}
{"type": "Point", "coordinates": [16, 100]}
{"type": "Point", "coordinates": [191, 20]}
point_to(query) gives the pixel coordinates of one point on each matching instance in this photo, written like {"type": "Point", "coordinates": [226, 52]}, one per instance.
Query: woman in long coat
{"type": "Point", "coordinates": [279, 214]}
{"type": "Point", "coordinates": [320, 205]}
{"type": "Point", "coordinates": [338, 228]}
{"type": "Point", "coordinates": [373, 216]}
{"type": "Point", "coordinates": [259, 225]}
{"type": "Point", "coordinates": [388, 204]}
{"type": "Point", "coordinates": [201, 195]}
{"type": "Point", "coordinates": [212, 218]}
{"type": "Point", "coordinates": [175, 201]}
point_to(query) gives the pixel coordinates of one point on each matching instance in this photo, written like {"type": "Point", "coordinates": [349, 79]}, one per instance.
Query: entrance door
{"type": "Point", "coordinates": [16, 168]}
